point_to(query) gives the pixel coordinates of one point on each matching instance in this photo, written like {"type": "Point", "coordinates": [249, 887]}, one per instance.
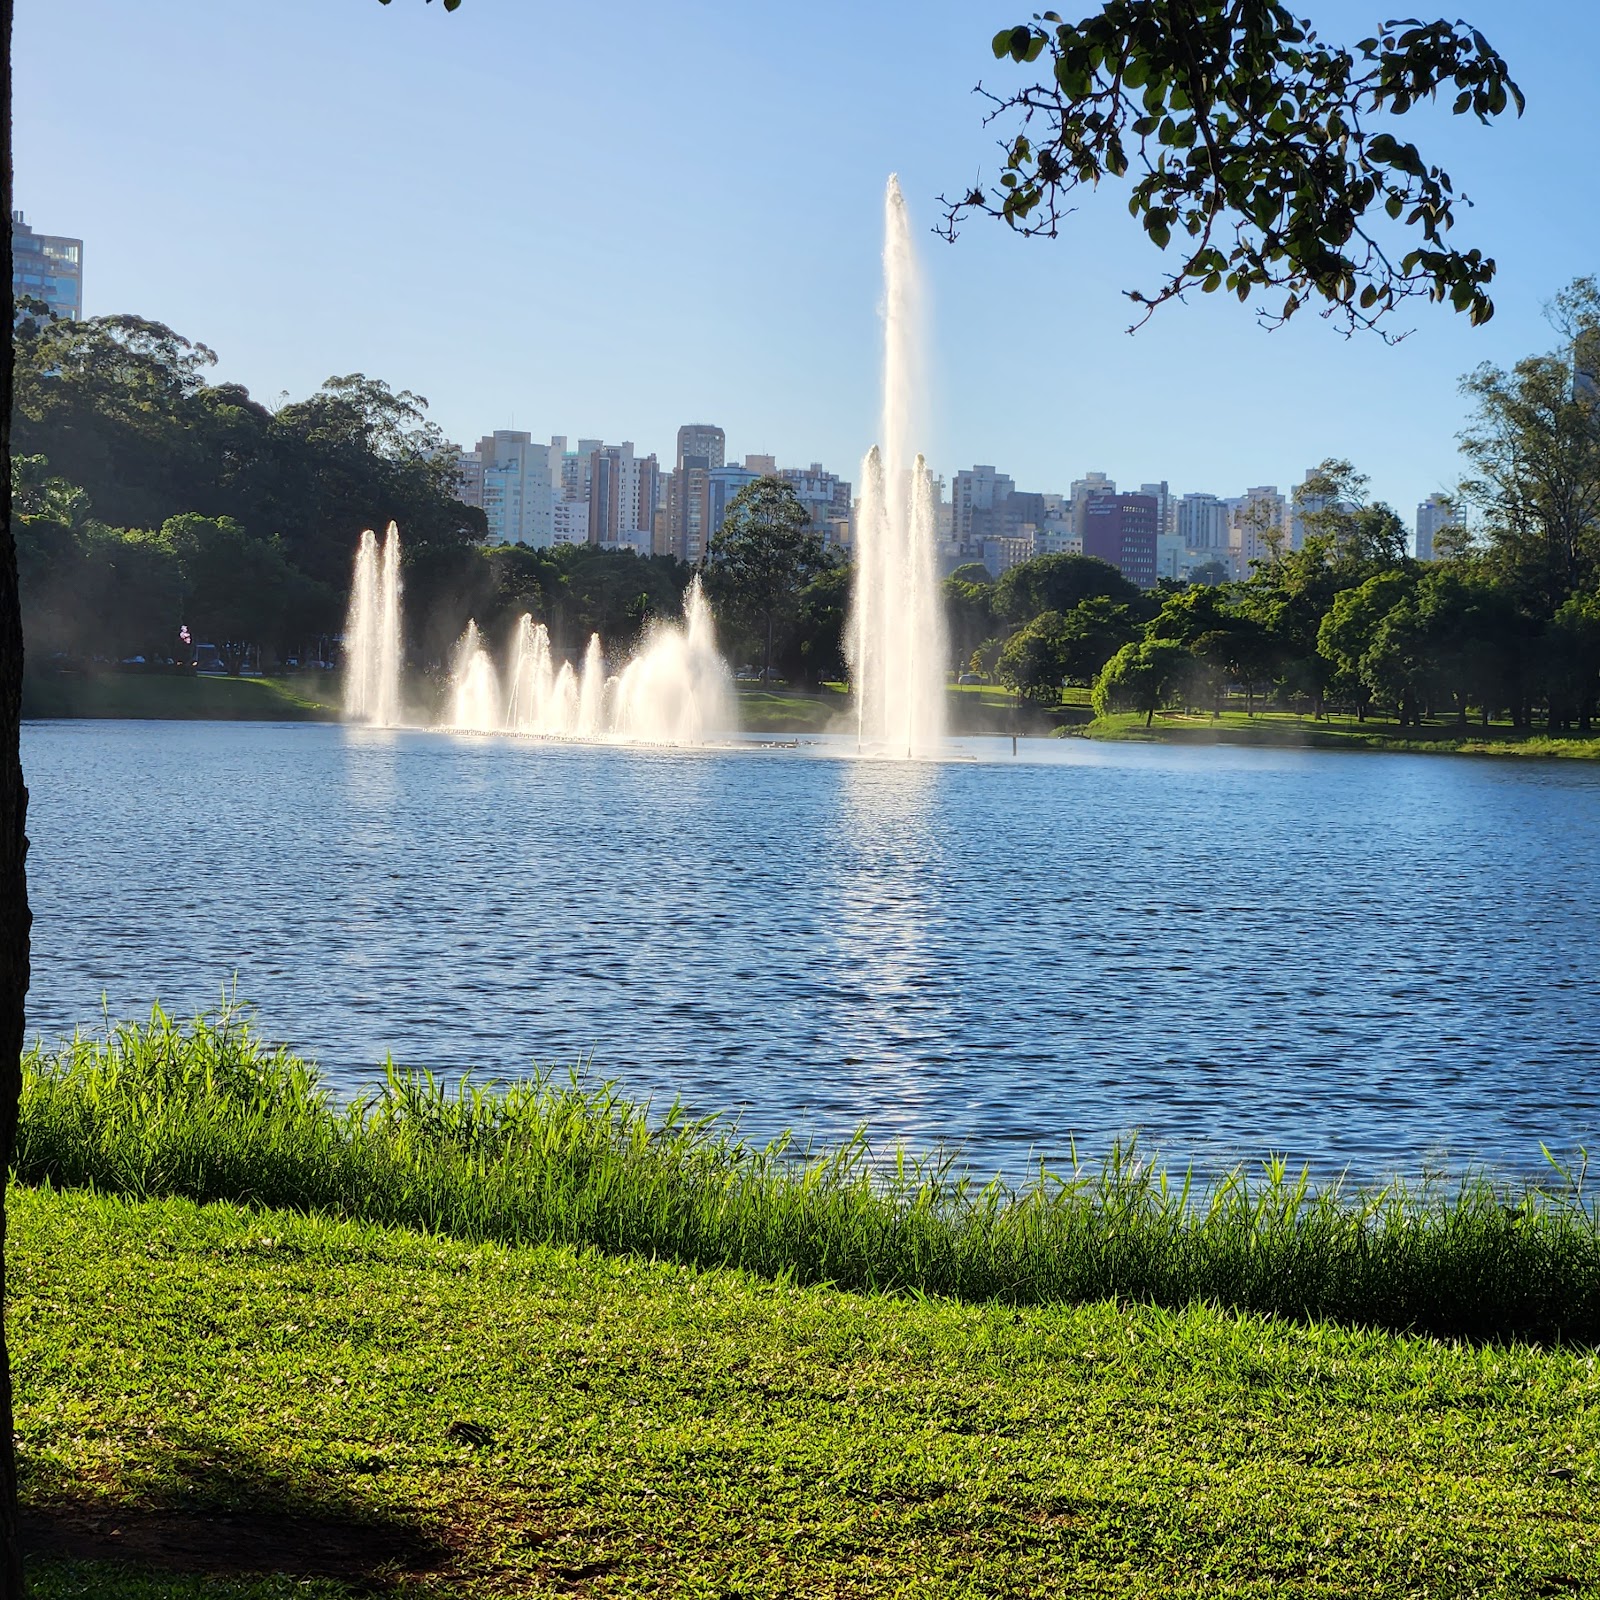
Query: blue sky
{"type": "Point", "coordinates": [605, 223]}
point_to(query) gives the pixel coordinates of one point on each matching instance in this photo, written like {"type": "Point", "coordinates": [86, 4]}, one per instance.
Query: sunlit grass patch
{"type": "Point", "coordinates": [552, 1418]}
{"type": "Point", "coordinates": [210, 1112]}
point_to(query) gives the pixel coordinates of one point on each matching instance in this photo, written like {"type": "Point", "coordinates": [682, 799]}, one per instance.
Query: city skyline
{"type": "Point", "coordinates": [406, 216]}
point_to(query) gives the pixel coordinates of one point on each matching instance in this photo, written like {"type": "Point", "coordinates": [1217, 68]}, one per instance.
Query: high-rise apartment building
{"type": "Point", "coordinates": [826, 497]}
{"type": "Point", "coordinates": [1304, 504]}
{"type": "Point", "coordinates": [762, 466]}
{"type": "Point", "coordinates": [702, 439]}
{"type": "Point", "coordinates": [518, 488]}
{"type": "Point", "coordinates": [688, 520]}
{"type": "Point", "coordinates": [570, 522]}
{"type": "Point", "coordinates": [976, 490]}
{"type": "Point", "coordinates": [1258, 523]}
{"type": "Point", "coordinates": [47, 267]}
{"type": "Point", "coordinates": [1202, 523]}
{"type": "Point", "coordinates": [1435, 513]}
{"type": "Point", "coordinates": [722, 484]}
{"type": "Point", "coordinates": [620, 489]}
{"type": "Point", "coordinates": [1121, 529]}
{"type": "Point", "coordinates": [1166, 506]}
{"type": "Point", "coordinates": [469, 477]}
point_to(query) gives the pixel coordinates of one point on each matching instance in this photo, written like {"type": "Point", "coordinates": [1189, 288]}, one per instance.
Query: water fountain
{"type": "Point", "coordinates": [372, 633]}
{"type": "Point", "coordinates": [677, 687]}
{"type": "Point", "coordinates": [896, 637]}
{"type": "Point", "coordinates": [674, 690]}
{"type": "Point", "coordinates": [475, 701]}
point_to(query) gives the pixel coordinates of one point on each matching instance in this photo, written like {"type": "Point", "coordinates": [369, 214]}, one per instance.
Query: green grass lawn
{"type": "Point", "coordinates": [973, 709]}
{"type": "Point", "coordinates": [778, 709]}
{"type": "Point", "coordinates": [307, 697]}
{"type": "Point", "coordinates": [511, 1421]}
{"type": "Point", "coordinates": [1337, 733]}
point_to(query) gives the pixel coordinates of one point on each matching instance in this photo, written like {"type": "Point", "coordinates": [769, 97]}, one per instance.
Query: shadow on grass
{"type": "Point", "coordinates": [218, 1511]}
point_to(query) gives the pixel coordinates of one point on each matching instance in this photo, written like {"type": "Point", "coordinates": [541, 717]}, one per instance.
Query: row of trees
{"type": "Point", "coordinates": [146, 500]}
{"type": "Point", "coordinates": [1506, 622]}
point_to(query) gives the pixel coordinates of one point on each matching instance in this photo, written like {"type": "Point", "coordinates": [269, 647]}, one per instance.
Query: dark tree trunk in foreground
{"type": "Point", "coordinates": [14, 918]}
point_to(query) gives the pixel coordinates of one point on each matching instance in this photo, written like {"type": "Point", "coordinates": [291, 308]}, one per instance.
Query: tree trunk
{"type": "Point", "coordinates": [766, 676]}
{"type": "Point", "coordinates": [14, 916]}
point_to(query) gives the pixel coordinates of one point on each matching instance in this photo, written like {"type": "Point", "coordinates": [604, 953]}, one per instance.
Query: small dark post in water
{"type": "Point", "coordinates": [1013, 744]}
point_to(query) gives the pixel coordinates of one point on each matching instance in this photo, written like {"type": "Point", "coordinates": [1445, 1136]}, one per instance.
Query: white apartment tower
{"type": "Point", "coordinates": [1257, 526]}
{"type": "Point", "coordinates": [518, 488]}
{"type": "Point", "coordinates": [976, 489]}
{"type": "Point", "coordinates": [1435, 513]}
{"type": "Point", "coordinates": [1202, 523]}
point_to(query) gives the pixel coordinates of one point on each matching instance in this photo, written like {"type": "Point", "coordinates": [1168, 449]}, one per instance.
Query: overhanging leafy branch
{"type": "Point", "coordinates": [1254, 147]}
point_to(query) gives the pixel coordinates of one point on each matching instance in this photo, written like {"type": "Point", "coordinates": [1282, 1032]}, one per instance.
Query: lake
{"type": "Point", "coordinates": [1379, 962]}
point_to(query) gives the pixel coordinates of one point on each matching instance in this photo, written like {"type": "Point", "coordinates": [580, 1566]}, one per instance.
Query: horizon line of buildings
{"type": "Point", "coordinates": [612, 497]}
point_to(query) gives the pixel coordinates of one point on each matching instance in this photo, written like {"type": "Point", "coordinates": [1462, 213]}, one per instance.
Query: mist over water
{"type": "Point", "coordinates": [674, 689]}
{"type": "Point", "coordinates": [896, 641]}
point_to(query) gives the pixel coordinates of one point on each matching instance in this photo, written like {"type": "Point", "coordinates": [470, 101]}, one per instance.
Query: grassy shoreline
{"type": "Point", "coordinates": [974, 709]}
{"type": "Point", "coordinates": [170, 696]}
{"type": "Point", "coordinates": [209, 1112]}
{"type": "Point", "coordinates": [1287, 730]}
{"type": "Point", "coordinates": [533, 1341]}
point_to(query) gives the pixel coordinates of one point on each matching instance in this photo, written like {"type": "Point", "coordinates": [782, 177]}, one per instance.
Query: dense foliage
{"type": "Point", "coordinates": [1256, 148]}
{"type": "Point", "coordinates": [1503, 623]}
{"type": "Point", "coordinates": [148, 500]}
{"type": "Point", "coordinates": [764, 557]}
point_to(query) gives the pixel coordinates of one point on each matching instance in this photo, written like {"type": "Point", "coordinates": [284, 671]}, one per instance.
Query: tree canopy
{"type": "Point", "coordinates": [1263, 153]}
{"type": "Point", "coordinates": [765, 553]}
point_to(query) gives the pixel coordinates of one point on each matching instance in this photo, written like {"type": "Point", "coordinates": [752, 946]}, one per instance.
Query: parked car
{"type": "Point", "coordinates": [969, 677]}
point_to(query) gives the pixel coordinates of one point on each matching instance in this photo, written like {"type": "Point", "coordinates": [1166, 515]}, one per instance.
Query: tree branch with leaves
{"type": "Point", "coordinates": [1254, 146]}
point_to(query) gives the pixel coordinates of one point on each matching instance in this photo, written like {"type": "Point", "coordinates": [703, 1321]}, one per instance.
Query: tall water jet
{"type": "Point", "coordinates": [372, 633]}
{"type": "Point", "coordinates": [592, 691]}
{"type": "Point", "coordinates": [896, 641]}
{"type": "Point", "coordinates": [475, 702]}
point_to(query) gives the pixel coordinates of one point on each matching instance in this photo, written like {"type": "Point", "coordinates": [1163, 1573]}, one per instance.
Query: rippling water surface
{"type": "Point", "coordinates": [1378, 962]}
